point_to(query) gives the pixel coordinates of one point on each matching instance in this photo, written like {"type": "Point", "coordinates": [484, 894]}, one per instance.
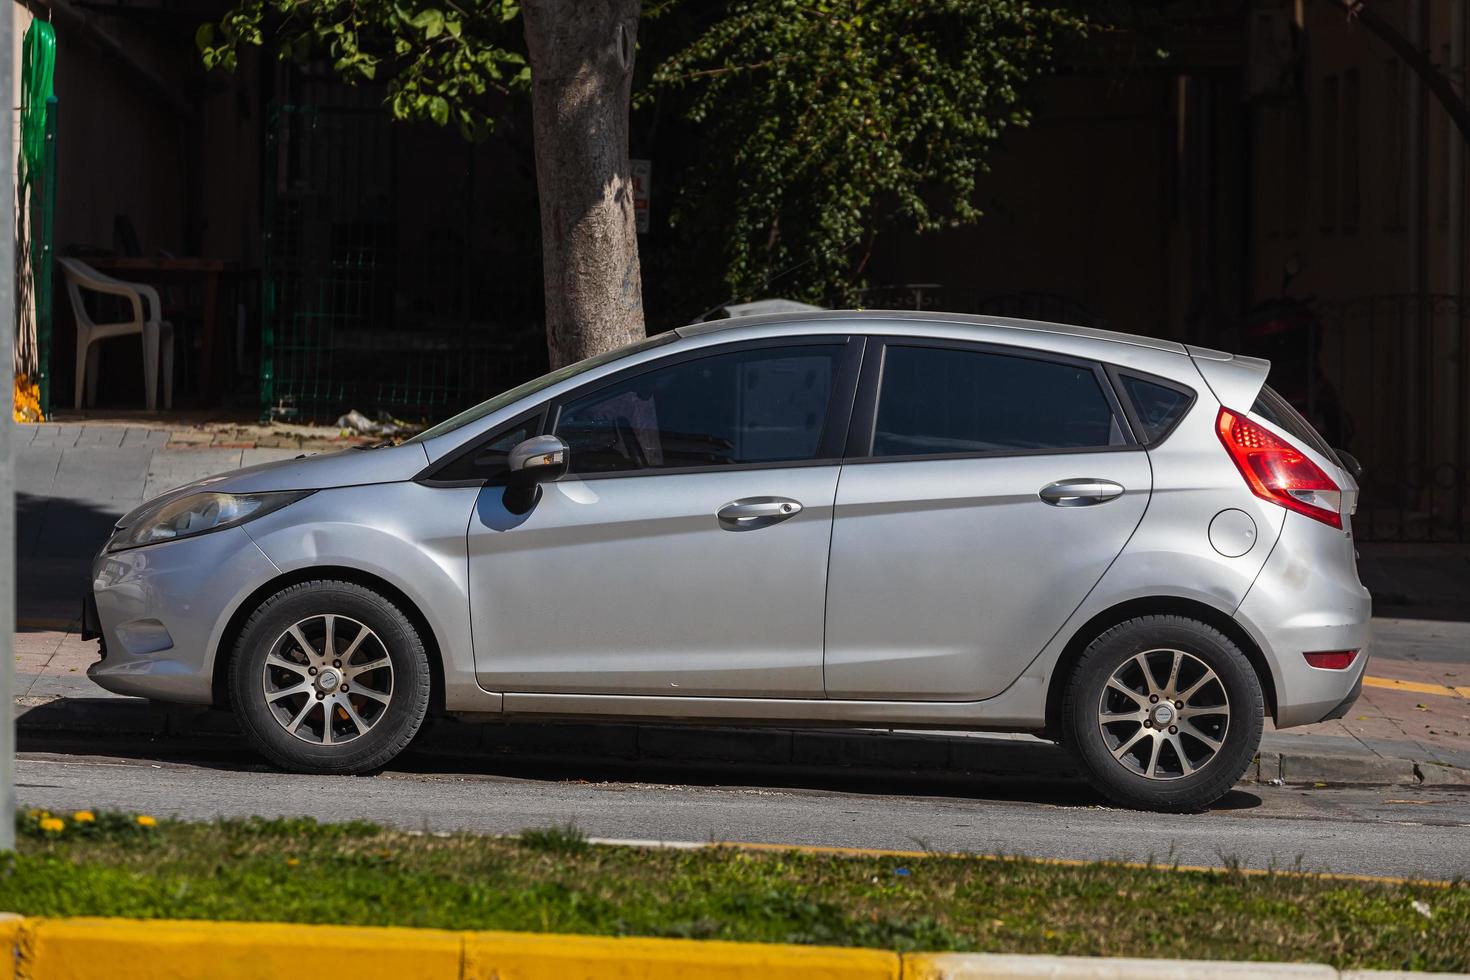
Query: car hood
{"type": "Point", "coordinates": [319, 471]}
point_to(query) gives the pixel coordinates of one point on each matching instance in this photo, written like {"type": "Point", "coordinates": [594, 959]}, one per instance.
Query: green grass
{"type": "Point", "coordinates": [553, 880]}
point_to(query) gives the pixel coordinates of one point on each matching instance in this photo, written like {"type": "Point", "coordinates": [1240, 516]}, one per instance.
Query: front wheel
{"type": "Point", "coordinates": [1163, 713]}
{"type": "Point", "coordinates": [329, 677]}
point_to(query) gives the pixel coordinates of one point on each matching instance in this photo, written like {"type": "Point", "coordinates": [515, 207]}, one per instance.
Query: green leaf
{"type": "Point", "coordinates": [430, 21]}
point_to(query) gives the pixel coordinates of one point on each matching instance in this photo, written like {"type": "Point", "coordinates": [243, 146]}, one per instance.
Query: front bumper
{"type": "Point", "coordinates": [161, 610]}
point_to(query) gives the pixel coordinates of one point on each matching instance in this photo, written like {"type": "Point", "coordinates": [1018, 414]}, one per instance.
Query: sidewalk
{"type": "Point", "coordinates": [1411, 725]}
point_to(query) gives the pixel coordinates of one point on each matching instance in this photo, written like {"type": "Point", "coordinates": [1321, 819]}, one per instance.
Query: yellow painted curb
{"type": "Point", "coordinates": [518, 956]}
{"type": "Point", "coordinates": [132, 949]}
{"type": "Point", "coordinates": [10, 927]}
{"type": "Point", "coordinates": [1004, 966]}
{"type": "Point", "coordinates": [140, 949]}
{"type": "Point", "coordinates": [1416, 687]}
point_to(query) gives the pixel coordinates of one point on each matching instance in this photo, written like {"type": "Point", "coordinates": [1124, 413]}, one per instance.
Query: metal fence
{"type": "Point", "coordinates": [376, 295]}
{"type": "Point", "coordinates": [1398, 366]}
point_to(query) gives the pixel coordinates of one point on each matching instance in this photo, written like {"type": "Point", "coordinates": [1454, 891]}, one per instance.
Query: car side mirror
{"type": "Point", "coordinates": [540, 459]}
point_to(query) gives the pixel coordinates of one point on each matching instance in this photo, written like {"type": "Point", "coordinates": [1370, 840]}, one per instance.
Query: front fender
{"type": "Point", "coordinates": [410, 536]}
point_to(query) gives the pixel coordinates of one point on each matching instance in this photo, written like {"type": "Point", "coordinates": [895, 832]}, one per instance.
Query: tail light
{"type": "Point", "coordinates": [1332, 659]}
{"type": "Point", "coordinates": [1277, 471]}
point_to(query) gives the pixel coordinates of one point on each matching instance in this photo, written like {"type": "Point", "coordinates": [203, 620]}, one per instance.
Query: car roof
{"type": "Point", "coordinates": [912, 322]}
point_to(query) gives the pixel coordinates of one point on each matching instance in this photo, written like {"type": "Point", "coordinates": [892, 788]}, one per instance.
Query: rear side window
{"type": "Point", "coordinates": [938, 400]}
{"type": "Point", "coordinates": [1158, 406]}
{"type": "Point", "coordinates": [1278, 411]}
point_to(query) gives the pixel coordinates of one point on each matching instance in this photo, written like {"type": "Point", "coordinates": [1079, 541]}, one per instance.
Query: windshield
{"type": "Point", "coordinates": [537, 384]}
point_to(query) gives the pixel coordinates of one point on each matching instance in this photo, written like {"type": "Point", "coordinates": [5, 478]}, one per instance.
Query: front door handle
{"type": "Point", "coordinates": [1080, 493]}
{"type": "Point", "coordinates": [750, 513]}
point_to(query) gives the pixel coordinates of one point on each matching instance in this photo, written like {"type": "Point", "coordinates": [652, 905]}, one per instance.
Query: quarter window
{"type": "Point", "coordinates": [1158, 406]}
{"type": "Point", "coordinates": [490, 461]}
{"type": "Point", "coordinates": [749, 406]}
{"type": "Point", "coordinates": [937, 400]}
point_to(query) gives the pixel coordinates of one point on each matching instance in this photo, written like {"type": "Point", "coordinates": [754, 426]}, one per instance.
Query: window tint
{"type": "Point", "coordinates": [749, 406]}
{"type": "Point", "coordinates": [1278, 411]}
{"type": "Point", "coordinates": [1158, 406]}
{"type": "Point", "coordinates": [491, 460]}
{"type": "Point", "coordinates": [944, 400]}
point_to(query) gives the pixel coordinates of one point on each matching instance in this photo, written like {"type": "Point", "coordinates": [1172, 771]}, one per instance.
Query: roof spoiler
{"type": "Point", "coordinates": [1235, 379]}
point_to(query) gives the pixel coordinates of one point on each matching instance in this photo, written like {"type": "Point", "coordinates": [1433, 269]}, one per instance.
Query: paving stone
{"type": "Point", "coordinates": [1436, 775]}
{"type": "Point", "coordinates": [170, 467]}
{"type": "Point", "coordinates": [268, 455]}
{"type": "Point", "coordinates": [1309, 769]}
{"type": "Point", "coordinates": [109, 436]}
{"type": "Point", "coordinates": [60, 436]}
{"type": "Point", "coordinates": [100, 473]}
{"type": "Point", "coordinates": [35, 469]}
{"type": "Point", "coordinates": [136, 437]}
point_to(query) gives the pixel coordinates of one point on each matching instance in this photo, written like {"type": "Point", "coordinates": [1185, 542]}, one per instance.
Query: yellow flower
{"type": "Point", "coordinates": [51, 825]}
{"type": "Point", "coordinates": [146, 821]}
{"type": "Point", "coordinates": [84, 816]}
{"type": "Point", "coordinates": [292, 862]}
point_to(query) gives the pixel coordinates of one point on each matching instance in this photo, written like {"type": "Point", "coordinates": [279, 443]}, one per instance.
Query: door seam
{"type": "Point", "coordinates": [827, 582]}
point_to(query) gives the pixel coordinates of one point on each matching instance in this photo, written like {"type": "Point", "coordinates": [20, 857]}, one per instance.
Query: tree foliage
{"type": "Point", "coordinates": [439, 61]}
{"type": "Point", "coordinates": [822, 122]}
{"type": "Point", "coordinates": [826, 120]}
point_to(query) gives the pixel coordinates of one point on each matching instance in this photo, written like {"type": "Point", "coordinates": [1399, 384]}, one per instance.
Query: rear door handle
{"type": "Point", "coordinates": [750, 513]}
{"type": "Point", "coordinates": [1080, 493]}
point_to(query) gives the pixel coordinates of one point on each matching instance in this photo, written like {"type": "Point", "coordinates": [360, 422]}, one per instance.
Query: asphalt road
{"type": "Point", "coordinates": [1390, 831]}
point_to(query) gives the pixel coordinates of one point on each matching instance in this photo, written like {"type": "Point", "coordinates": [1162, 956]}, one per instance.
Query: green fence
{"type": "Point", "coordinates": [36, 208]}
{"type": "Point", "coordinates": [375, 292]}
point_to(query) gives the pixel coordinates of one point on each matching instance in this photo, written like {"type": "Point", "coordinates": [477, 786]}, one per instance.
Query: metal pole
{"type": "Point", "coordinates": [7, 431]}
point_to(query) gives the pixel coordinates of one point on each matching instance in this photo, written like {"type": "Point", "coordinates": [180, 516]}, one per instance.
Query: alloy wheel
{"type": "Point", "coordinates": [327, 679]}
{"type": "Point", "coordinates": [1164, 714]}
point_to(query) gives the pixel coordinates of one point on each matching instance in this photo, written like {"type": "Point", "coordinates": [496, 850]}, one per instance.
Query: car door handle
{"type": "Point", "coordinates": [1080, 493]}
{"type": "Point", "coordinates": [750, 513]}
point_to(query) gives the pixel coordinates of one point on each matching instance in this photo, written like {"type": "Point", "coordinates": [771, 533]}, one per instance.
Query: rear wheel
{"type": "Point", "coordinates": [1163, 713]}
{"type": "Point", "coordinates": [329, 677]}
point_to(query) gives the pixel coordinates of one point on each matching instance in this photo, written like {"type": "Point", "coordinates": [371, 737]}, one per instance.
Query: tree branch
{"type": "Point", "coordinates": [1416, 59]}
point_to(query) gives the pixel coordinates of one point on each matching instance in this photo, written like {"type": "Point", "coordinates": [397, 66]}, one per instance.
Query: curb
{"type": "Point", "coordinates": [937, 756]}
{"type": "Point", "coordinates": [135, 949]}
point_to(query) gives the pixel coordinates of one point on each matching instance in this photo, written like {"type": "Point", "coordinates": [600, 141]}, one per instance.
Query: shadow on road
{"type": "Point", "coordinates": [1061, 788]}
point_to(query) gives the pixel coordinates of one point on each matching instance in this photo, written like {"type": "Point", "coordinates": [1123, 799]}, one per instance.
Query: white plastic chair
{"type": "Point", "coordinates": [155, 332]}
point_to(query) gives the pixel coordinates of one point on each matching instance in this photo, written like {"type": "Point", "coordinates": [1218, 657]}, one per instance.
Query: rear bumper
{"type": "Point", "coordinates": [1308, 599]}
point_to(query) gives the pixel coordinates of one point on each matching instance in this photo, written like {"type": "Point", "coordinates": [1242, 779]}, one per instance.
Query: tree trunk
{"type": "Point", "coordinates": [581, 55]}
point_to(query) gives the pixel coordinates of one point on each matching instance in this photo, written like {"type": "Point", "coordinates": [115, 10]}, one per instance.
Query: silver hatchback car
{"type": "Point", "coordinates": [849, 519]}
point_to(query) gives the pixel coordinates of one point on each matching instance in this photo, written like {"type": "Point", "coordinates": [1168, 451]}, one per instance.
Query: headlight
{"type": "Point", "coordinates": [196, 513]}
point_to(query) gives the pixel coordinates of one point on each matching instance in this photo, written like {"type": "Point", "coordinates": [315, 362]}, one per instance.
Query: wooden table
{"type": "Point", "coordinates": [148, 269]}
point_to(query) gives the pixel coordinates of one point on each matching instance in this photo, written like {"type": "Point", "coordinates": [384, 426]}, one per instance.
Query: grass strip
{"type": "Point", "coordinates": [554, 880]}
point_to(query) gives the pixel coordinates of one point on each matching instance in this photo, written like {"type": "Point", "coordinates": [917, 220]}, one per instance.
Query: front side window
{"type": "Point", "coordinates": [748, 406]}
{"type": "Point", "coordinates": [490, 461]}
{"type": "Point", "coordinates": [940, 400]}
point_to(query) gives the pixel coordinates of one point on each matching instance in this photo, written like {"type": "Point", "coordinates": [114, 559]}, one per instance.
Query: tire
{"type": "Point", "coordinates": [350, 718]}
{"type": "Point", "coordinates": [1119, 737]}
